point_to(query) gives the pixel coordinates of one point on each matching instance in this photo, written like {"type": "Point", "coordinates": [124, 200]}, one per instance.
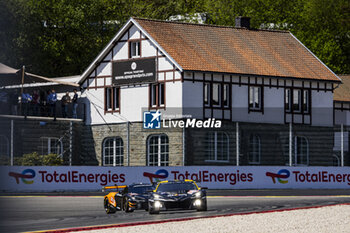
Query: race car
{"type": "Point", "coordinates": [127, 198]}
{"type": "Point", "coordinates": [177, 195]}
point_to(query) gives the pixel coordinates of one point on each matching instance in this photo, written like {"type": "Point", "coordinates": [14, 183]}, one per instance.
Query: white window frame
{"type": "Point", "coordinates": [112, 93]}
{"type": "Point", "coordinates": [157, 92]}
{"type": "Point", "coordinates": [160, 152]}
{"type": "Point", "coordinates": [161, 93]}
{"type": "Point", "coordinates": [218, 85]}
{"type": "Point", "coordinates": [296, 152]}
{"type": "Point", "coordinates": [255, 98]}
{"type": "Point", "coordinates": [306, 97]}
{"type": "Point", "coordinates": [215, 147]}
{"type": "Point", "coordinates": [116, 149]}
{"type": "Point", "coordinates": [256, 139]}
{"type": "Point", "coordinates": [297, 93]}
{"type": "Point", "coordinates": [206, 94]}
{"type": "Point", "coordinates": [135, 50]}
{"type": "Point", "coordinates": [288, 99]}
{"type": "Point", "coordinates": [48, 145]}
{"type": "Point", "coordinates": [226, 95]}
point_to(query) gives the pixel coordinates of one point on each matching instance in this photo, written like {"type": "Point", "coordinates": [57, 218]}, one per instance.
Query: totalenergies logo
{"type": "Point", "coordinates": [25, 175]}
{"type": "Point", "coordinates": [282, 176]}
{"type": "Point", "coordinates": [160, 174]}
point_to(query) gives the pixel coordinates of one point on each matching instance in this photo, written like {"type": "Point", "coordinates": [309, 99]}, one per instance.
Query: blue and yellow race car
{"type": "Point", "coordinates": [177, 195]}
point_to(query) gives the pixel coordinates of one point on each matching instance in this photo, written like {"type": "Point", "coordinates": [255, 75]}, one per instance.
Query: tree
{"type": "Point", "coordinates": [62, 37]}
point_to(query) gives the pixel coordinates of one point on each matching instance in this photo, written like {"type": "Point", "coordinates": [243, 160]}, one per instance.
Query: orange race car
{"type": "Point", "coordinates": [127, 197]}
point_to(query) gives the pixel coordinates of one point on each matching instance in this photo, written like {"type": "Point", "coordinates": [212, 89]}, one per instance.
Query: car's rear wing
{"type": "Point", "coordinates": [117, 187]}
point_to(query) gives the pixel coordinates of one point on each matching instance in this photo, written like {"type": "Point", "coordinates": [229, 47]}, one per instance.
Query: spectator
{"type": "Point", "coordinates": [64, 104]}
{"type": "Point", "coordinates": [52, 99]}
{"type": "Point", "coordinates": [75, 104]}
{"type": "Point", "coordinates": [26, 99]}
{"type": "Point", "coordinates": [35, 102]}
{"type": "Point", "coordinates": [14, 102]}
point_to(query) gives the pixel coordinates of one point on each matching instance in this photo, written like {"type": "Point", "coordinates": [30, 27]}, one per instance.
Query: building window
{"type": "Point", "coordinates": [226, 95]}
{"type": "Point", "coordinates": [336, 161]}
{"type": "Point", "coordinates": [216, 95]}
{"type": "Point", "coordinates": [306, 101]}
{"type": "Point", "coordinates": [301, 151]}
{"type": "Point", "coordinates": [158, 150]}
{"type": "Point", "coordinates": [157, 97]}
{"type": "Point", "coordinates": [51, 145]}
{"type": "Point", "coordinates": [206, 94]}
{"type": "Point", "coordinates": [254, 149]}
{"type": "Point", "coordinates": [4, 146]}
{"type": "Point", "coordinates": [113, 152]}
{"type": "Point", "coordinates": [297, 100]}
{"type": "Point", "coordinates": [135, 49]}
{"type": "Point", "coordinates": [255, 98]}
{"type": "Point", "coordinates": [217, 147]}
{"type": "Point", "coordinates": [287, 105]}
{"type": "Point", "coordinates": [112, 102]}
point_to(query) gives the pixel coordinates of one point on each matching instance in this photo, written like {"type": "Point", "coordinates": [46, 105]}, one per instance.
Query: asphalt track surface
{"type": "Point", "coordinates": [29, 212]}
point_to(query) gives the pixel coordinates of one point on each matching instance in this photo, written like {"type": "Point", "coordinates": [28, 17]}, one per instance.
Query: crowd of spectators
{"type": "Point", "coordinates": [37, 103]}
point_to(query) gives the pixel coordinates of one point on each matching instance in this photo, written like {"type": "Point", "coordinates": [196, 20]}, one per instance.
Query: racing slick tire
{"type": "Point", "coordinates": [108, 208]}
{"type": "Point", "coordinates": [203, 207]}
{"type": "Point", "coordinates": [127, 208]}
{"type": "Point", "coordinates": [151, 210]}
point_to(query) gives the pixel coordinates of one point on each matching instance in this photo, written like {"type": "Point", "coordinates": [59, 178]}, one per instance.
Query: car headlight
{"type": "Point", "coordinates": [156, 196]}
{"type": "Point", "coordinates": [157, 204]}
{"type": "Point", "coordinates": [197, 202]}
{"type": "Point", "coordinates": [197, 194]}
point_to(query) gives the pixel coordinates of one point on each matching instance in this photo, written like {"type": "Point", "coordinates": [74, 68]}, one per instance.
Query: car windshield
{"type": "Point", "coordinates": [140, 189]}
{"type": "Point", "coordinates": [176, 187]}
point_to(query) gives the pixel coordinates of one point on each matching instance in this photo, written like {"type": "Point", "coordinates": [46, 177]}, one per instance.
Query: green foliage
{"type": "Point", "coordinates": [52, 160]}
{"type": "Point", "coordinates": [34, 159]}
{"type": "Point", "coordinates": [62, 37]}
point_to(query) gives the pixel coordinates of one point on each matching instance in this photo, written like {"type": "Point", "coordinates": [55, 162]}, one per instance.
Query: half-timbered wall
{"type": "Point", "coordinates": [273, 97]}
{"type": "Point", "coordinates": [342, 112]}
{"type": "Point", "coordinates": [133, 98]}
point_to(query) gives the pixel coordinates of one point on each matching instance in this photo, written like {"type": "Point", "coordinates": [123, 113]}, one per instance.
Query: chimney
{"type": "Point", "coordinates": [242, 22]}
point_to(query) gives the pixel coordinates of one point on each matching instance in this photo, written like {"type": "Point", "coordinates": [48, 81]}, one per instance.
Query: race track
{"type": "Point", "coordinates": [34, 213]}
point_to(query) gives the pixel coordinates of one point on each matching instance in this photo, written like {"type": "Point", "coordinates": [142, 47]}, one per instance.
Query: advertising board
{"type": "Point", "coordinates": [80, 178]}
{"type": "Point", "coordinates": [134, 71]}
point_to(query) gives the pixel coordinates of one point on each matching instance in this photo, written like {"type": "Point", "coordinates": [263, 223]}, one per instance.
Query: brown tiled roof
{"type": "Point", "coordinates": [342, 93]}
{"type": "Point", "coordinates": [210, 48]}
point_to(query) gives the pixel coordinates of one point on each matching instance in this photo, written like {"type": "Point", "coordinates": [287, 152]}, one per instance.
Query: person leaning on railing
{"type": "Point", "coordinates": [52, 99]}
{"type": "Point", "coordinates": [26, 99]}
{"type": "Point", "coordinates": [64, 104]}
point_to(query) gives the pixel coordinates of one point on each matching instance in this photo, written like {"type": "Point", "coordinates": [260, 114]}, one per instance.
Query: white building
{"type": "Point", "coordinates": [259, 78]}
{"type": "Point", "coordinates": [273, 96]}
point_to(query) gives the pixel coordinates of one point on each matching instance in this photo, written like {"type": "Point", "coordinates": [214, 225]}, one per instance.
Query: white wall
{"type": "Point", "coordinates": [189, 95]}
{"type": "Point", "coordinates": [342, 117]}
{"type": "Point", "coordinates": [273, 106]}
{"type": "Point", "coordinates": [133, 98]}
{"type": "Point", "coordinates": [193, 99]}
{"type": "Point", "coordinates": [322, 108]}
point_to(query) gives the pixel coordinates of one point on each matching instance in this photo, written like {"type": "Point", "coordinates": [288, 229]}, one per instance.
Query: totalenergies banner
{"type": "Point", "coordinates": [83, 178]}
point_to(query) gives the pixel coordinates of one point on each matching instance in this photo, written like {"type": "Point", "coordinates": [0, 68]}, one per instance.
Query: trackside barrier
{"type": "Point", "coordinates": [87, 178]}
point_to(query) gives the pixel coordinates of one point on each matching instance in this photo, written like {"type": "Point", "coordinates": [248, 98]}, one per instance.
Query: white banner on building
{"type": "Point", "coordinates": [84, 178]}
